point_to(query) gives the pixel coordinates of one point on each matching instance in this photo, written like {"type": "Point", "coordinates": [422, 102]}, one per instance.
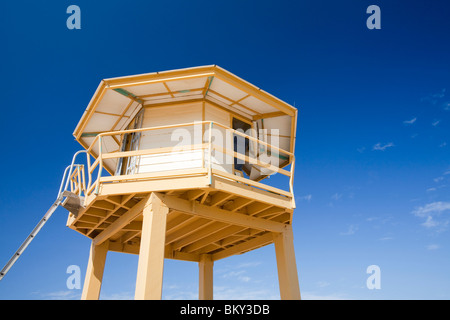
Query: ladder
{"type": "Point", "coordinates": [66, 199]}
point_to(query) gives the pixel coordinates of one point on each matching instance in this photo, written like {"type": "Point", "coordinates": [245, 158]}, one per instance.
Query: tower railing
{"type": "Point", "coordinates": [88, 182]}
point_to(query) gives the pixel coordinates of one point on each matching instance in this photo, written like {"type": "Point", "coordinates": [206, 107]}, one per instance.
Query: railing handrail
{"type": "Point", "coordinates": [120, 132]}
{"type": "Point", "coordinates": [204, 145]}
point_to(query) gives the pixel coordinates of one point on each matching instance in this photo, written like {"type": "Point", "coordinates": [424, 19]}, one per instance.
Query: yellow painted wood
{"type": "Point", "coordinates": [205, 288]}
{"type": "Point", "coordinates": [154, 151]}
{"type": "Point", "coordinates": [181, 183]}
{"type": "Point", "coordinates": [151, 253]}
{"type": "Point", "coordinates": [271, 198]}
{"type": "Point", "coordinates": [168, 254]}
{"type": "Point", "coordinates": [218, 214]}
{"type": "Point", "coordinates": [251, 160]}
{"type": "Point", "coordinates": [269, 115]}
{"type": "Point", "coordinates": [94, 273]}
{"type": "Point", "coordinates": [121, 222]}
{"type": "Point", "coordinates": [245, 246]}
{"type": "Point", "coordinates": [154, 175]}
{"type": "Point", "coordinates": [286, 264]}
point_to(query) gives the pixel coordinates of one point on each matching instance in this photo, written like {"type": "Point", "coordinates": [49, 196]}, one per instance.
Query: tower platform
{"type": "Point", "coordinates": [221, 215]}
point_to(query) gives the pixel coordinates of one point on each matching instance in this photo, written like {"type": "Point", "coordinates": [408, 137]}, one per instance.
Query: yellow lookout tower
{"type": "Point", "coordinates": [177, 168]}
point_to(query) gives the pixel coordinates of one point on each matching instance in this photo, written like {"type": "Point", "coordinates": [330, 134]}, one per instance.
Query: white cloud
{"type": "Point", "coordinates": [433, 247]}
{"type": "Point", "coordinates": [239, 275]}
{"type": "Point", "coordinates": [117, 296]}
{"type": "Point", "coordinates": [351, 230]}
{"type": "Point", "coordinates": [380, 147]}
{"type": "Point", "coordinates": [361, 150]}
{"type": "Point", "coordinates": [336, 196]}
{"type": "Point", "coordinates": [249, 264]}
{"type": "Point", "coordinates": [432, 208]}
{"type": "Point", "coordinates": [323, 284]}
{"type": "Point", "coordinates": [440, 94]}
{"type": "Point", "coordinates": [410, 121]}
{"type": "Point", "coordinates": [244, 293]}
{"type": "Point", "coordinates": [432, 212]}
{"type": "Point", "coordinates": [177, 294]}
{"type": "Point", "coordinates": [435, 123]}
{"type": "Point", "coordinates": [60, 295]}
{"type": "Point", "coordinates": [438, 179]}
{"type": "Point", "coordinates": [241, 272]}
{"type": "Point", "coordinates": [430, 222]}
{"type": "Point", "coordinates": [307, 197]}
{"type": "Point", "coordinates": [434, 98]}
{"type": "Point", "coordinates": [314, 296]}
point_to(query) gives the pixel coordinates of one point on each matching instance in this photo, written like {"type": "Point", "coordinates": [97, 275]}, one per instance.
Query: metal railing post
{"type": "Point", "coordinates": [209, 153]}
{"type": "Point", "coordinates": [70, 173]}
{"type": "Point", "coordinates": [100, 165]}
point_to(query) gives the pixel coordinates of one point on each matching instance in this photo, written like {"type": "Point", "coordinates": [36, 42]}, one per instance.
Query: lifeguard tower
{"type": "Point", "coordinates": [177, 167]}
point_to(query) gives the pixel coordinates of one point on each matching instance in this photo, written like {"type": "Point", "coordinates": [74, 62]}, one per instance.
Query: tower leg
{"type": "Point", "coordinates": [287, 267]}
{"type": "Point", "coordinates": [94, 273]}
{"type": "Point", "coordinates": [205, 289]}
{"type": "Point", "coordinates": [151, 253]}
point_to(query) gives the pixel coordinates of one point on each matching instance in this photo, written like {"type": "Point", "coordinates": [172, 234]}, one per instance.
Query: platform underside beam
{"type": "Point", "coordinates": [221, 219]}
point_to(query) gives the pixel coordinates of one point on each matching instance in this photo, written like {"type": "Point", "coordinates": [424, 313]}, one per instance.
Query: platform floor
{"type": "Point", "coordinates": [214, 216]}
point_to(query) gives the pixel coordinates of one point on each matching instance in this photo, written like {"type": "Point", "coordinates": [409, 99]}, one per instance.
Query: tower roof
{"type": "Point", "coordinates": [117, 100]}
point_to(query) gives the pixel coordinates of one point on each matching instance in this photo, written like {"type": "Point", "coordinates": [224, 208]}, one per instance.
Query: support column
{"type": "Point", "coordinates": [205, 288]}
{"type": "Point", "coordinates": [287, 267]}
{"type": "Point", "coordinates": [94, 273]}
{"type": "Point", "coordinates": [151, 253]}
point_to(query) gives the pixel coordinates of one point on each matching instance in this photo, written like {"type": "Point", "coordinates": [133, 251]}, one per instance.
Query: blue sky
{"type": "Point", "coordinates": [372, 173]}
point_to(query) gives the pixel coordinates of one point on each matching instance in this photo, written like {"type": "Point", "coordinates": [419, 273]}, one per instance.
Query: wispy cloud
{"type": "Point", "coordinates": [432, 213]}
{"type": "Point", "coordinates": [117, 296]}
{"type": "Point", "coordinates": [239, 275]}
{"type": "Point", "coordinates": [60, 295]}
{"type": "Point", "coordinates": [435, 97]}
{"type": "Point", "coordinates": [351, 230]}
{"type": "Point", "coordinates": [435, 123]}
{"type": "Point", "coordinates": [178, 292]}
{"type": "Point", "coordinates": [410, 121]}
{"type": "Point", "coordinates": [315, 296]}
{"type": "Point", "coordinates": [249, 264]}
{"type": "Point", "coordinates": [336, 196]}
{"type": "Point", "coordinates": [323, 284]}
{"type": "Point", "coordinates": [380, 147]}
{"type": "Point", "coordinates": [432, 208]}
{"type": "Point", "coordinates": [446, 105]}
{"type": "Point", "coordinates": [307, 197]}
{"type": "Point", "coordinates": [440, 94]}
{"type": "Point", "coordinates": [433, 247]}
{"type": "Point", "coordinates": [430, 222]}
{"type": "Point", "coordinates": [244, 293]}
